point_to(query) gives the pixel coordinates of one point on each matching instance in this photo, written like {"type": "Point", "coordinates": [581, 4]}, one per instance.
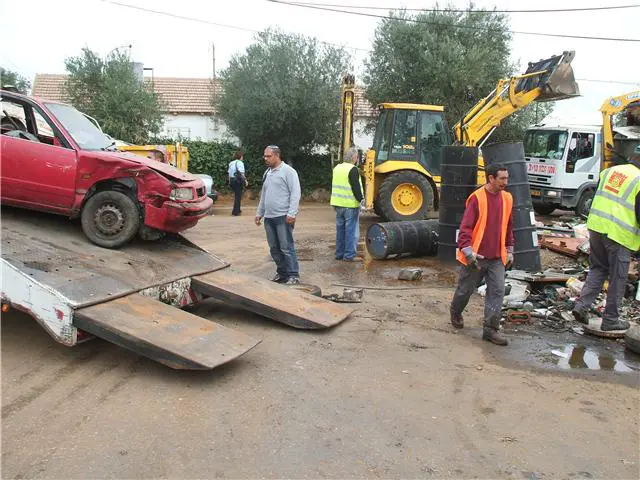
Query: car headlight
{"type": "Point", "coordinates": [181, 194]}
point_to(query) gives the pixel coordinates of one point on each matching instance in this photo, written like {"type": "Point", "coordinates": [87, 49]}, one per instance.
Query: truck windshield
{"type": "Point", "coordinates": [83, 131]}
{"type": "Point", "coordinates": [545, 143]}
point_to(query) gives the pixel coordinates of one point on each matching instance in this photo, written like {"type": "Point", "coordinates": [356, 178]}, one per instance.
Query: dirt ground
{"type": "Point", "coordinates": [392, 392]}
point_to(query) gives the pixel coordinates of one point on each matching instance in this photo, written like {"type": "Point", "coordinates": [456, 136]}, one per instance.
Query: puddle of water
{"type": "Point", "coordinates": [581, 357]}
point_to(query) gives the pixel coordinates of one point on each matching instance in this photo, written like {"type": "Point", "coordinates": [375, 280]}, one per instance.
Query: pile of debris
{"type": "Point", "coordinates": [568, 238]}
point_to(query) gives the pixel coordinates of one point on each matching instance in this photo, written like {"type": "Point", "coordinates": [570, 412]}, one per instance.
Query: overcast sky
{"type": "Point", "coordinates": [38, 36]}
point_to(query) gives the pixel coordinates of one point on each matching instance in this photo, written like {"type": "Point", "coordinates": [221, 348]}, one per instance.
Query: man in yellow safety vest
{"type": "Point", "coordinates": [346, 195]}
{"type": "Point", "coordinates": [614, 233]}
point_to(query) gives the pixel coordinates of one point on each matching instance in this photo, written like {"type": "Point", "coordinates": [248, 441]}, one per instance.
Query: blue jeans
{"type": "Point", "coordinates": [347, 232]}
{"type": "Point", "coordinates": [283, 249]}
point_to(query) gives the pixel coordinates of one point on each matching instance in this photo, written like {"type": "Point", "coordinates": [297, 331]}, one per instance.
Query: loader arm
{"type": "Point", "coordinates": [348, 102]}
{"type": "Point", "coordinates": [609, 109]}
{"type": "Point", "coordinates": [547, 80]}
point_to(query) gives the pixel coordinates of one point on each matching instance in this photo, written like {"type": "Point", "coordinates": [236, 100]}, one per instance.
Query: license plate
{"type": "Point", "coordinates": [535, 193]}
{"type": "Point", "coordinates": [540, 168]}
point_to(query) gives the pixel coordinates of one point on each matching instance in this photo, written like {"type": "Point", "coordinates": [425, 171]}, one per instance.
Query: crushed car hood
{"type": "Point", "coordinates": [163, 168]}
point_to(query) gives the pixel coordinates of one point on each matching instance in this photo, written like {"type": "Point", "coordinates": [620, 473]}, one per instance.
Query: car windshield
{"type": "Point", "coordinates": [545, 143]}
{"type": "Point", "coordinates": [83, 131]}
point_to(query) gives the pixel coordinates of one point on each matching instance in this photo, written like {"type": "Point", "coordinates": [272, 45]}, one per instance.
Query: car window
{"type": "Point", "coordinates": [13, 116]}
{"type": "Point", "coordinates": [83, 131]}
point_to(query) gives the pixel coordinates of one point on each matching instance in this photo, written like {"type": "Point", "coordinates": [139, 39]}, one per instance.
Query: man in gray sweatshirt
{"type": "Point", "coordinates": [278, 206]}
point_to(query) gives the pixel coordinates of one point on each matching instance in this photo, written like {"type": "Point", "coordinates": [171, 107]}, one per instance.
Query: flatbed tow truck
{"type": "Point", "coordinates": [133, 296]}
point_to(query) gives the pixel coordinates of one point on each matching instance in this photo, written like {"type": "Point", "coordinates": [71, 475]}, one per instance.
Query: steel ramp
{"type": "Point", "coordinates": [283, 304]}
{"type": "Point", "coordinates": [163, 333]}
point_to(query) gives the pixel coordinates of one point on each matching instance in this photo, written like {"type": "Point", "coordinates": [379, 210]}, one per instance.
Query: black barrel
{"type": "Point", "coordinates": [511, 155]}
{"type": "Point", "coordinates": [458, 181]}
{"type": "Point", "coordinates": [419, 237]}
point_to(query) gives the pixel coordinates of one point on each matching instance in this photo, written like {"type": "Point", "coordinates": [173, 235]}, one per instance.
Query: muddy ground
{"type": "Point", "coordinates": [393, 392]}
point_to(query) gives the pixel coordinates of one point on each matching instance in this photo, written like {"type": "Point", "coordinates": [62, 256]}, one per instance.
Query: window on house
{"type": "Point", "coordinates": [179, 132]}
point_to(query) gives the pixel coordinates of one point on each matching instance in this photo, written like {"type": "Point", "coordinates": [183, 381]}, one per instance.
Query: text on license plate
{"type": "Point", "coordinates": [540, 168]}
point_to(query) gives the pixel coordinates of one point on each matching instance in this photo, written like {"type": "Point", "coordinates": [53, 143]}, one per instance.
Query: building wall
{"type": "Point", "coordinates": [196, 127]}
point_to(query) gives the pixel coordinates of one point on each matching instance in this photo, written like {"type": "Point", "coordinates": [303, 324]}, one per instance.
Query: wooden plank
{"type": "Point", "coordinates": [544, 277]}
{"type": "Point", "coordinates": [165, 334]}
{"type": "Point", "coordinates": [277, 302]}
{"type": "Point", "coordinates": [564, 245]}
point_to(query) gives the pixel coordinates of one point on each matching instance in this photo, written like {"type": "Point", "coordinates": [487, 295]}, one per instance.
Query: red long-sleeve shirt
{"type": "Point", "coordinates": [490, 244]}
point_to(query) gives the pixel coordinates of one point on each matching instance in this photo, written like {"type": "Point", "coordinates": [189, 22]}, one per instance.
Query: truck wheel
{"type": "Point", "coordinates": [543, 208]}
{"type": "Point", "coordinates": [405, 196]}
{"type": "Point", "coordinates": [584, 204]}
{"type": "Point", "coordinates": [110, 219]}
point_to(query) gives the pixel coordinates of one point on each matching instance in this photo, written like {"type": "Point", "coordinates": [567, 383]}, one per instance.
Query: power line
{"type": "Point", "coordinates": [413, 20]}
{"type": "Point", "coordinates": [208, 22]}
{"type": "Point", "coordinates": [363, 7]}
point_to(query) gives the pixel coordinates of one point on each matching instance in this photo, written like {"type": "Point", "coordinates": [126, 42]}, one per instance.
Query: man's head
{"type": "Point", "coordinates": [272, 156]}
{"type": "Point", "coordinates": [158, 156]}
{"type": "Point", "coordinates": [497, 177]}
{"type": "Point", "coordinates": [238, 155]}
{"type": "Point", "coordinates": [351, 155]}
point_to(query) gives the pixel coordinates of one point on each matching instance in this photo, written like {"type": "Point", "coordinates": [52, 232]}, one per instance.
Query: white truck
{"type": "Point", "coordinates": [564, 160]}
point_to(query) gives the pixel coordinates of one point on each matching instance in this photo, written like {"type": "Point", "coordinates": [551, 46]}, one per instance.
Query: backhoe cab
{"type": "Point", "coordinates": [402, 169]}
{"type": "Point", "coordinates": [620, 145]}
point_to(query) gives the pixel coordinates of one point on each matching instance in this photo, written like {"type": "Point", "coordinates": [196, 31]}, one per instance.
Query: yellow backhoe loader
{"type": "Point", "coordinates": [402, 169]}
{"type": "Point", "coordinates": [619, 145]}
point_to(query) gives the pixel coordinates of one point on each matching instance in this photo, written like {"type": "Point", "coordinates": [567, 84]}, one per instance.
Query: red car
{"type": "Point", "coordinates": [54, 159]}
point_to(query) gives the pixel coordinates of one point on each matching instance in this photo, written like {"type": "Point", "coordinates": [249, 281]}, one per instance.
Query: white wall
{"type": "Point", "coordinates": [194, 127]}
{"type": "Point", "coordinates": [360, 138]}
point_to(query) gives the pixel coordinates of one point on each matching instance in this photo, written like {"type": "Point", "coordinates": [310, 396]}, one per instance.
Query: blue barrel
{"type": "Point", "coordinates": [511, 155]}
{"type": "Point", "coordinates": [458, 181]}
{"type": "Point", "coordinates": [418, 237]}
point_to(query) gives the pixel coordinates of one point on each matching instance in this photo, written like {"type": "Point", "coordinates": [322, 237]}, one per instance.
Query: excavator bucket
{"type": "Point", "coordinates": [555, 79]}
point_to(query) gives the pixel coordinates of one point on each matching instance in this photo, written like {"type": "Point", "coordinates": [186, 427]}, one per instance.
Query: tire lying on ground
{"type": "Point", "coordinates": [110, 219]}
{"type": "Point", "coordinates": [632, 339]}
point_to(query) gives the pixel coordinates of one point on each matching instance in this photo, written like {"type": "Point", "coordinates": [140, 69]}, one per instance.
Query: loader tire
{"type": "Point", "coordinates": [405, 195]}
{"type": "Point", "coordinates": [110, 219]}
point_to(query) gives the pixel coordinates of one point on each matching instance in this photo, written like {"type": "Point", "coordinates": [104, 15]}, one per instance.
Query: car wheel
{"type": "Point", "coordinates": [110, 219]}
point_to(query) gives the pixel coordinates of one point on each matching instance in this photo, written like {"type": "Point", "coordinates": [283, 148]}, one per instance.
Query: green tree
{"type": "Point", "coordinates": [109, 90]}
{"type": "Point", "coordinates": [441, 58]}
{"type": "Point", "coordinates": [285, 90]}
{"type": "Point", "coordinates": [9, 78]}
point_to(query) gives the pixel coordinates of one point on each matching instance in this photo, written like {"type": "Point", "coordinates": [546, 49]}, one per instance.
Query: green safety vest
{"type": "Point", "coordinates": [613, 209]}
{"type": "Point", "coordinates": [341, 193]}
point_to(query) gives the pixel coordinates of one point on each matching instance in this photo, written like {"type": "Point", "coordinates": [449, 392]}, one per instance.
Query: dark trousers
{"type": "Point", "coordinates": [236, 186]}
{"type": "Point", "coordinates": [493, 273]}
{"type": "Point", "coordinates": [607, 260]}
{"type": "Point", "coordinates": [282, 246]}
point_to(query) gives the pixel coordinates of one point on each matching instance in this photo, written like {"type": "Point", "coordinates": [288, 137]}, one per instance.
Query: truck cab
{"type": "Point", "coordinates": [563, 166]}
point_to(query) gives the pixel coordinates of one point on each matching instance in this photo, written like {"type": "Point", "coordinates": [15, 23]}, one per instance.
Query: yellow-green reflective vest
{"type": "Point", "coordinates": [341, 193]}
{"type": "Point", "coordinates": [613, 209]}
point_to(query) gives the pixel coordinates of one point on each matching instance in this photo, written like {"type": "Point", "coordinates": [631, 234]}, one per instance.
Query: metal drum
{"type": "Point", "coordinates": [419, 237]}
{"type": "Point", "coordinates": [458, 181]}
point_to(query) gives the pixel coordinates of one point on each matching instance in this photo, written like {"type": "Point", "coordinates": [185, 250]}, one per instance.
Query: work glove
{"type": "Point", "coordinates": [509, 260]}
{"type": "Point", "coordinates": [472, 258]}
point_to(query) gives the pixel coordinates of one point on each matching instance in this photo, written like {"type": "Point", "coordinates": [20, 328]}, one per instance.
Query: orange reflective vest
{"type": "Point", "coordinates": [481, 223]}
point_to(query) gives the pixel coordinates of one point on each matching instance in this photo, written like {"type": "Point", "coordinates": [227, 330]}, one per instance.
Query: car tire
{"type": "Point", "coordinates": [543, 208]}
{"type": "Point", "coordinates": [584, 204]}
{"type": "Point", "coordinates": [419, 198]}
{"type": "Point", "coordinates": [110, 219]}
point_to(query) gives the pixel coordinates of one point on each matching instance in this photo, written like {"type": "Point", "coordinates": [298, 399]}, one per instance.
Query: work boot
{"type": "Point", "coordinates": [279, 278]}
{"type": "Point", "coordinates": [292, 281]}
{"type": "Point", "coordinates": [581, 316]}
{"type": "Point", "coordinates": [608, 326]}
{"type": "Point", "coordinates": [353, 259]}
{"type": "Point", "coordinates": [492, 335]}
{"type": "Point", "coordinates": [456, 319]}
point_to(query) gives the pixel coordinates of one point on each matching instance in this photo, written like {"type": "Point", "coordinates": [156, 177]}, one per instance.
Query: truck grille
{"type": "Point", "coordinates": [539, 180]}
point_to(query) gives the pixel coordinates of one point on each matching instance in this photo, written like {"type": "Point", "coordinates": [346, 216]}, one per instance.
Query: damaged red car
{"type": "Point", "coordinates": [54, 159]}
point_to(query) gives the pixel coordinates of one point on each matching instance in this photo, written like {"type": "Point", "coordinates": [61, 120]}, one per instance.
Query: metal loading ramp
{"type": "Point", "coordinates": [163, 333]}
{"type": "Point", "coordinates": [283, 304]}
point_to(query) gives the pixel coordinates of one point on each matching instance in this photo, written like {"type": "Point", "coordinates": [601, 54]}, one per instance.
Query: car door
{"type": "Point", "coordinates": [38, 165]}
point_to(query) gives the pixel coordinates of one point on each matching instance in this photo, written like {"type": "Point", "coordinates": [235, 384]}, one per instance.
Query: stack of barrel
{"type": "Point", "coordinates": [458, 181]}
{"type": "Point", "coordinates": [511, 156]}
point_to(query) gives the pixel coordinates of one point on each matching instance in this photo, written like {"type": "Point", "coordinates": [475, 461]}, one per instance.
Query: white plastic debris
{"type": "Point", "coordinates": [558, 353]}
{"type": "Point", "coordinates": [581, 231]}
